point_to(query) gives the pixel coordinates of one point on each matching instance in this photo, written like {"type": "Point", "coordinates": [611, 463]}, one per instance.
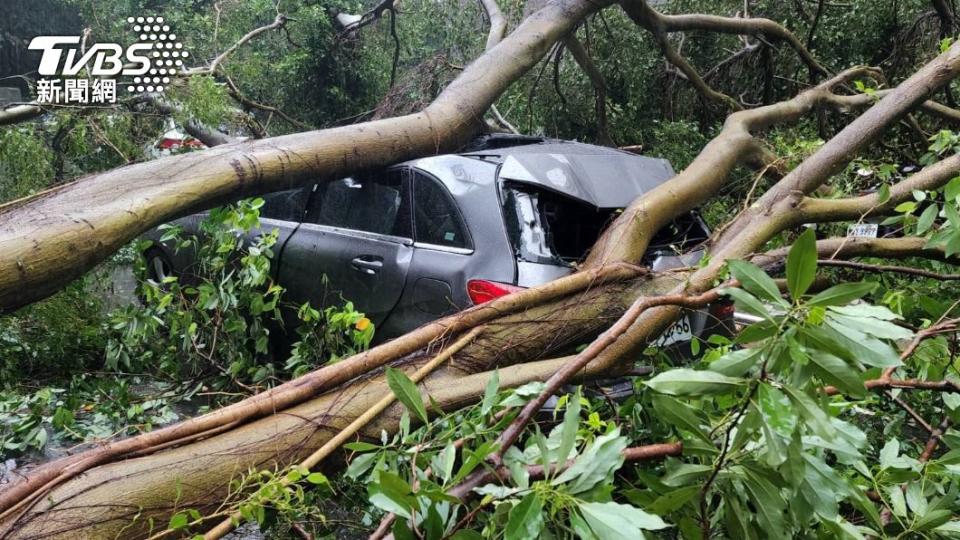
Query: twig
{"type": "Point", "coordinates": [705, 490]}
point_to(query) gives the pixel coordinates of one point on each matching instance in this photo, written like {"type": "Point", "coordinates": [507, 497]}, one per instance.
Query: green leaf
{"type": "Point", "coordinates": [736, 363]}
{"type": "Point", "coordinates": [915, 499]}
{"type": "Point", "coordinates": [952, 189]}
{"type": "Point", "coordinates": [802, 264]}
{"type": "Point", "coordinates": [769, 503]}
{"type": "Point", "coordinates": [673, 499]}
{"type": "Point", "coordinates": [473, 458]}
{"type": "Point", "coordinates": [932, 520]}
{"type": "Point", "coordinates": [681, 416]}
{"type": "Point", "coordinates": [906, 207]}
{"type": "Point", "coordinates": [898, 503]}
{"type": "Point", "coordinates": [950, 210]}
{"type": "Point", "coordinates": [178, 521]}
{"type": "Point", "coordinates": [926, 219]}
{"type": "Point", "coordinates": [360, 465]}
{"type": "Point", "coordinates": [360, 446]}
{"type": "Point", "coordinates": [816, 419]}
{"type": "Point", "coordinates": [755, 281]}
{"type": "Point", "coordinates": [685, 474]}
{"type": "Point", "coordinates": [851, 345]}
{"type": "Point", "coordinates": [448, 459]}
{"type": "Point", "coordinates": [746, 302]}
{"type": "Point", "coordinates": [526, 519]}
{"type": "Point", "coordinates": [776, 410]}
{"type": "Point", "coordinates": [597, 463]}
{"type": "Point", "coordinates": [614, 521]}
{"type": "Point", "coordinates": [890, 457]}
{"type": "Point", "coordinates": [490, 393]}
{"type": "Point", "coordinates": [568, 434]}
{"type": "Point", "coordinates": [688, 382]}
{"type": "Point", "coordinates": [838, 373]}
{"type": "Point", "coordinates": [869, 325]}
{"type": "Point", "coordinates": [842, 294]}
{"type": "Point", "coordinates": [406, 392]}
{"type": "Point", "coordinates": [392, 494]}
{"type": "Point", "coordinates": [883, 194]}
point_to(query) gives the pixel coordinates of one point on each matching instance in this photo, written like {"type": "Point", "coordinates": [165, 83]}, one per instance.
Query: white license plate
{"type": "Point", "coordinates": [862, 230]}
{"type": "Point", "coordinates": [679, 332]}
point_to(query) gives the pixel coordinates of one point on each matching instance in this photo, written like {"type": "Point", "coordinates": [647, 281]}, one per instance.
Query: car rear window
{"type": "Point", "coordinates": [549, 228]}
{"type": "Point", "coordinates": [436, 218]}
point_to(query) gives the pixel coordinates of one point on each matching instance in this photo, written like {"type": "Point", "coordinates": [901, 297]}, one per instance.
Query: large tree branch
{"type": "Point", "coordinates": [850, 248]}
{"type": "Point", "coordinates": [627, 238]}
{"type": "Point", "coordinates": [20, 113]}
{"type": "Point", "coordinates": [813, 210]}
{"type": "Point", "coordinates": [772, 212]}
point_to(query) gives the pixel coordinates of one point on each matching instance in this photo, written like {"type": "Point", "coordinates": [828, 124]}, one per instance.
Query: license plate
{"type": "Point", "coordinates": [862, 230]}
{"type": "Point", "coordinates": [679, 332]}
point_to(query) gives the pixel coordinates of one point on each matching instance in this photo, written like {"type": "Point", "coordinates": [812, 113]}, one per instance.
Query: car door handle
{"type": "Point", "coordinates": [366, 265]}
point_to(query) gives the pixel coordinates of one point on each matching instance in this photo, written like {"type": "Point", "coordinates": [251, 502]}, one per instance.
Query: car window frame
{"type": "Point", "coordinates": [412, 173]}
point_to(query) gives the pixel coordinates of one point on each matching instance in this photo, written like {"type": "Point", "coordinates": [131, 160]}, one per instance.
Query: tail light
{"type": "Point", "coordinates": [481, 291]}
{"type": "Point", "coordinates": [722, 311]}
{"type": "Point", "coordinates": [721, 321]}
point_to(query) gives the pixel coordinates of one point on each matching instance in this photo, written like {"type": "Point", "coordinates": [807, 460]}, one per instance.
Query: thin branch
{"type": "Point", "coordinates": [599, 85]}
{"type": "Point", "coordinates": [244, 100]}
{"type": "Point", "coordinates": [883, 269]}
{"type": "Point", "coordinates": [277, 23]}
{"type": "Point", "coordinates": [646, 17]}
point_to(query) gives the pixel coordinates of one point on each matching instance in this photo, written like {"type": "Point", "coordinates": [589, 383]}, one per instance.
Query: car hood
{"type": "Point", "coordinates": [603, 177]}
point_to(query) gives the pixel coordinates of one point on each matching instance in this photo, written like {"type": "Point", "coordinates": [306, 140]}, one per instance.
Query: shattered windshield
{"type": "Point", "coordinates": [547, 228]}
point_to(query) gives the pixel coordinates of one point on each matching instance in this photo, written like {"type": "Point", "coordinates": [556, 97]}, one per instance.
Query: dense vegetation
{"type": "Point", "coordinates": [793, 459]}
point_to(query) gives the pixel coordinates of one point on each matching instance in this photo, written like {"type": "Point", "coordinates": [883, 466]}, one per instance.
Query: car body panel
{"type": "Point", "coordinates": [365, 268]}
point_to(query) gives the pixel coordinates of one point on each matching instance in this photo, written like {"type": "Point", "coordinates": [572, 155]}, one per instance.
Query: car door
{"type": "Point", "coordinates": [442, 260]}
{"type": "Point", "coordinates": [355, 243]}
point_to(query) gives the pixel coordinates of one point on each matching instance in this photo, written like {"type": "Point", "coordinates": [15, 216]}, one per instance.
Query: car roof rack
{"type": "Point", "coordinates": [494, 141]}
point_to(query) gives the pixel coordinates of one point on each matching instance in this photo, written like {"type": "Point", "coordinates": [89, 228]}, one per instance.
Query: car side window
{"type": "Point", "coordinates": [285, 205]}
{"type": "Point", "coordinates": [437, 220]}
{"type": "Point", "coordinates": [377, 203]}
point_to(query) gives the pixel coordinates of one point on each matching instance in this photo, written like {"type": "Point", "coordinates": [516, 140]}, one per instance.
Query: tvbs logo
{"type": "Point", "coordinates": [145, 66]}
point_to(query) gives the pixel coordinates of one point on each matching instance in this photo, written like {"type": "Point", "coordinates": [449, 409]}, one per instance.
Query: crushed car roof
{"type": "Point", "coordinates": [603, 177]}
